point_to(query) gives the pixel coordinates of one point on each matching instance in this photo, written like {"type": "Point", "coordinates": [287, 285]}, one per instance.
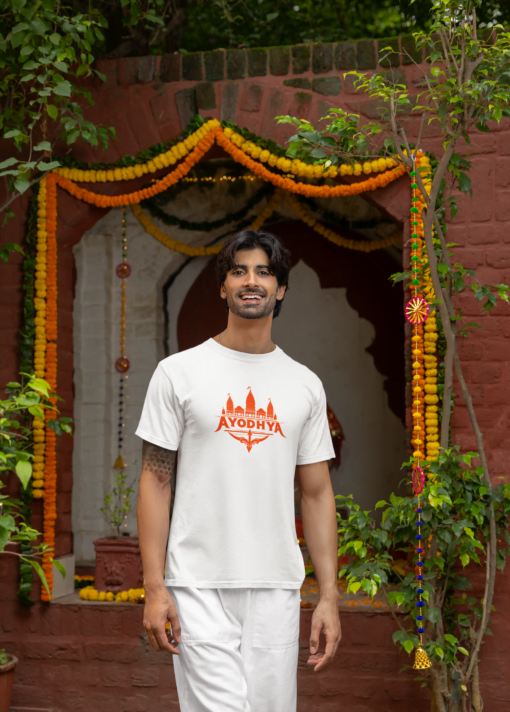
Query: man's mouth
{"type": "Point", "coordinates": [251, 297]}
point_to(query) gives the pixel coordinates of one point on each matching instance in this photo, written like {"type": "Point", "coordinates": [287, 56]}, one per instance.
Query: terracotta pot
{"type": "Point", "coordinates": [6, 680]}
{"type": "Point", "coordinates": [118, 564]}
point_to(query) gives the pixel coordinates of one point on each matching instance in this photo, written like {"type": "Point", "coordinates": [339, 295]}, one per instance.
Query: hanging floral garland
{"type": "Point", "coordinates": [361, 245]}
{"type": "Point", "coordinates": [202, 250]}
{"type": "Point", "coordinates": [299, 168]}
{"type": "Point", "coordinates": [172, 220]}
{"type": "Point", "coordinates": [50, 464]}
{"type": "Point", "coordinates": [163, 160]}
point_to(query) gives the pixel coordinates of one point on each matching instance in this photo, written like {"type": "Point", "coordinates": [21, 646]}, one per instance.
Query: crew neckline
{"type": "Point", "coordinates": [241, 355]}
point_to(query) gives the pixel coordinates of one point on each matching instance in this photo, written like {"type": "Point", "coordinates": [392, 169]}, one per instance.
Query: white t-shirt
{"type": "Point", "coordinates": [241, 423]}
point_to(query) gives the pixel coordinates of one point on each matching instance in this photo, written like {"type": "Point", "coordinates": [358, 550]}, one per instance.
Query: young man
{"type": "Point", "coordinates": [245, 418]}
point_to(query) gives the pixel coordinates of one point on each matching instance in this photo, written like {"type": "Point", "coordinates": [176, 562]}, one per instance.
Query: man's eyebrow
{"type": "Point", "coordinates": [246, 266]}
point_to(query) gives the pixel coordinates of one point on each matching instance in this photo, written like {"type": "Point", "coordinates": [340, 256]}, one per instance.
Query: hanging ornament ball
{"type": "Point", "coordinates": [123, 270]}
{"type": "Point", "coordinates": [417, 310]}
{"type": "Point", "coordinates": [122, 364]}
{"type": "Point", "coordinates": [418, 480]}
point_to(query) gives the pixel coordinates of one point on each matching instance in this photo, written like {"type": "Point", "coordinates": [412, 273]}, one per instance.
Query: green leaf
{"type": "Point", "coordinates": [62, 88]}
{"type": "Point", "coordinates": [464, 182]}
{"type": "Point", "coordinates": [52, 111]}
{"type": "Point", "coordinates": [355, 587]}
{"type": "Point", "coordinates": [22, 185]}
{"type": "Point", "coordinates": [60, 566]}
{"type": "Point", "coordinates": [439, 652]}
{"type": "Point", "coordinates": [433, 614]}
{"type": "Point", "coordinates": [43, 146]}
{"type": "Point", "coordinates": [36, 411]}
{"type": "Point", "coordinates": [408, 646]}
{"type": "Point", "coordinates": [24, 472]}
{"type": "Point", "coordinates": [55, 38]}
{"type": "Point", "coordinates": [464, 559]}
{"type": "Point", "coordinates": [450, 638]}
{"type": "Point", "coordinates": [40, 385]}
{"type": "Point", "coordinates": [462, 650]}
{"type": "Point", "coordinates": [39, 571]}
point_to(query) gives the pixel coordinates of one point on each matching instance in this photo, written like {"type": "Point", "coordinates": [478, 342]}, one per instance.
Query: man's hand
{"type": "Point", "coordinates": [159, 609]}
{"type": "Point", "coordinates": [325, 619]}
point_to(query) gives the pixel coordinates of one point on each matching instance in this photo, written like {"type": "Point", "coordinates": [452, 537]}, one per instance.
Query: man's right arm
{"type": "Point", "coordinates": [153, 518]}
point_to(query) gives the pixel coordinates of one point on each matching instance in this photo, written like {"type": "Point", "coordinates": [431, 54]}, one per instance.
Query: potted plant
{"type": "Point", "coordinates": [118, 559]}
{"type": "Point", "coordinates": [7, 665]}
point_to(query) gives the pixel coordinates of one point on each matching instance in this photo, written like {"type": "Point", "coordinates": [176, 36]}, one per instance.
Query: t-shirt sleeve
{"type": "Point", "coordinates": [162, 420]}
{"type": "Point", "coordinates": [315, 444]}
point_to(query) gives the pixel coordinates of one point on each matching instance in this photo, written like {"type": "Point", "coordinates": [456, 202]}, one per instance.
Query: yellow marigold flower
{"type": "Point", "coordinates": [333, 171]}
{"type": "Point", "coordinates": [390, 162]}
{"type": "Point", "coordinates": [150, 165]}
{"type": "Point", "coordinates": [294, 166]}
{"type": "Point", "coordinates": [280, 163]}
{"type": "Point", "coordinates": [367, 167]}
{"type": "Point", "coordinates": [381, 162]}
{"type": "Point", "coordinates": [109, 596]}
{"type": "Point", "coordinates": [272, 160]}
{"type": "Point", "coordinates": [375, 165]}
{"type": "Point", "coordinates": [256, 152]}
{"type": "Point", "coordinates": [264, 155]}
{"type": "Point", "coordinates": [317, 171]}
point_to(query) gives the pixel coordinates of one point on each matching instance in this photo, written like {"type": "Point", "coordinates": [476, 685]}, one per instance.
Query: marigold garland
{"type": "Point", "coordinates": [112, 201]}
{"type": "Point", "coordinates": [164, 160]}
{"type": "Point", "coordinates": [306, 170]}
{"type": "Point", "coordinates": [40, 334]}
{"type": "Point", "coordinates": [50, 469]}
{"type": "Point", "coordinates": [316, 191]}
{"type": "Point", "coordinates": [133, 595]}
{"type": "Point", "coordinates": [202, 250]}
{"type": "Point", "coordinates": [425, 409]}
{"type": "Point", "coordinates": [361, 245]}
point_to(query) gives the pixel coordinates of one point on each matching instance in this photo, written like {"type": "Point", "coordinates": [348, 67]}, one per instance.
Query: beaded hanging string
{"type": "Point", "coordinates": [417, 311]}
{"type": "Point", "coordinates": [122, 363]}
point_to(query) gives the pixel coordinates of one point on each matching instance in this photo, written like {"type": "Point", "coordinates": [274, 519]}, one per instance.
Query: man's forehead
{"type": "Point", "coordinates": [256, 257]}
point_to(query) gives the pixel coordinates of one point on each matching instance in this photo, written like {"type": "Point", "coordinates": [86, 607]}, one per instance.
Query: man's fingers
{"type": "Point", "coordinates": [175, 623]}
{"type": "Point", "coordinates": [314, 637]}
{"type": "Point", "coordinates": [163, 642]}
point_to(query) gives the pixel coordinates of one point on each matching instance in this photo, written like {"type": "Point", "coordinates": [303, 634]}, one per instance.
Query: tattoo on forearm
{"type": "Point", "coordinates": [159, 461]}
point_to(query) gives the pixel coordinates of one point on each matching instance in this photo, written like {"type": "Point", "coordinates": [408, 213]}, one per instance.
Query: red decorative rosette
{"type": "Point", "coordinates": [122, 364]}
{"type": "Point", "coordinates": [417, 310]}
{"type": "Point", "coordinates": [418, 478]}
{"type": "Point", "coordinates": [123, 270]}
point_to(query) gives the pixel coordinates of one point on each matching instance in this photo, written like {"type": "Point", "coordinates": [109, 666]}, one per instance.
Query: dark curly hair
{"type": "Point", "coordinates": [278, 255]}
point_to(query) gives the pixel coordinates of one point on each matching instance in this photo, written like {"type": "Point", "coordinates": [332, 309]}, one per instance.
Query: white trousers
{"type": "Point", "coordinates": [238, 649]}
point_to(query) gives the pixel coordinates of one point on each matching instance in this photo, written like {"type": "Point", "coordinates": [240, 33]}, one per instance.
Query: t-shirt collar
{"type": "Point", "coordinates": [241, 355]}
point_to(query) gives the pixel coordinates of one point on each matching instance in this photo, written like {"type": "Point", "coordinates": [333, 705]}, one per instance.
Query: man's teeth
{"type": "Point", "coordinates": [251, 296]}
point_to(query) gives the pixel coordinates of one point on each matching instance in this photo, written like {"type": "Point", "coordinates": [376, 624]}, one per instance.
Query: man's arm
{"type": "Point", "coordinates": [318, 512]}
{"type": "Point", "coordinates": [153, 517]}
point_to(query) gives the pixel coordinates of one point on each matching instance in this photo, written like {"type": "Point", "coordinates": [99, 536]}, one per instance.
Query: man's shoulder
{"type": "Point", "coordinates": [298, 370]}
{"type": "Point", "coordinates": [184, 359]}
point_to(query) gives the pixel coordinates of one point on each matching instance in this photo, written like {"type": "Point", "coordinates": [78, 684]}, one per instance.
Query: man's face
{"type": "Point", "coordinates": [250, 289]}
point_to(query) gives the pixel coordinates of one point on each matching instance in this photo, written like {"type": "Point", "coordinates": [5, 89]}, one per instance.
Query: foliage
{"type": "Point", "coordinates": [117, 507]}
{"type": "Point", "coordinates": [231, 23]}
{"type": "Point", "coordinates": [456, 531]}
{"type": "Point", "coordinates": [4, 658]}
{"type": "Point", "coordinates": [23, 401]}
{"type": "Point", "coordinates": [44, 50]}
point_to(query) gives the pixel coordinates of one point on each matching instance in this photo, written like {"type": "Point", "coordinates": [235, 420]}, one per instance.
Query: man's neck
{"type": "Point", "coordinates": [250, 336]}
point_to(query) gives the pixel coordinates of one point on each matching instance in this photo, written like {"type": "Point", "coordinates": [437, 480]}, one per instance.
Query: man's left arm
{"type": "Point", "coordinates": [318, 512]}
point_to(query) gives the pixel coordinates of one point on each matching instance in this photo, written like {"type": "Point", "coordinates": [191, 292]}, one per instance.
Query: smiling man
{"type": "Point", "coordinates": [245, 418]}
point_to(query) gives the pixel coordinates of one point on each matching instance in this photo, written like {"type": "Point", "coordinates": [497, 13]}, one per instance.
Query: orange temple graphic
{"type": "Point", "coordinates": [248, 425]}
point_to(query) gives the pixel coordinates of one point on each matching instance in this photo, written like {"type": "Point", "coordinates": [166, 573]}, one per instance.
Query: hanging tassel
{"type": "Point", "coordinates": [421, 661]}
{"type": "Point", "coordinates": [119, 463]}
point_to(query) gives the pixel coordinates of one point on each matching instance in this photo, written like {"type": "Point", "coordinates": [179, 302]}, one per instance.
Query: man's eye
{"type": "Point", "coordinates": [265, 272]}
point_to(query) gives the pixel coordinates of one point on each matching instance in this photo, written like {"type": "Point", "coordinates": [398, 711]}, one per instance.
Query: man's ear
{"type": "Point", "coordinates": [281, 292]}
{"type": "Point", "coordinates": [223, 292]}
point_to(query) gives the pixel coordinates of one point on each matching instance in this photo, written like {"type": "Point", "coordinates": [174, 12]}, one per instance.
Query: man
{"type": "Point", "coordinates": [245, 418]}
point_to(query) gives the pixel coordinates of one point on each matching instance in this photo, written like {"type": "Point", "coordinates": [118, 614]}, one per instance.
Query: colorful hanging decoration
{"type": "Point", "coordinates": [361, 245]}
{"type": "Point", "coordinates": [337, 434]}
{"type": "Point", "coordinates": [50, 455]}
{"type": "Point", "coordinates": [417, 310]}
{"type": "Point", "coordinates": [122, 363]}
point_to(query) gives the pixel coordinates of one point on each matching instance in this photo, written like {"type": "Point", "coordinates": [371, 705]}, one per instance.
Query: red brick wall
{"type": "Point", "coordinates": [149, 100]}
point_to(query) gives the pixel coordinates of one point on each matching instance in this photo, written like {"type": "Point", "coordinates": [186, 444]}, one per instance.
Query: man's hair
{"type": "Point", "coordinates": [278, 255]}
